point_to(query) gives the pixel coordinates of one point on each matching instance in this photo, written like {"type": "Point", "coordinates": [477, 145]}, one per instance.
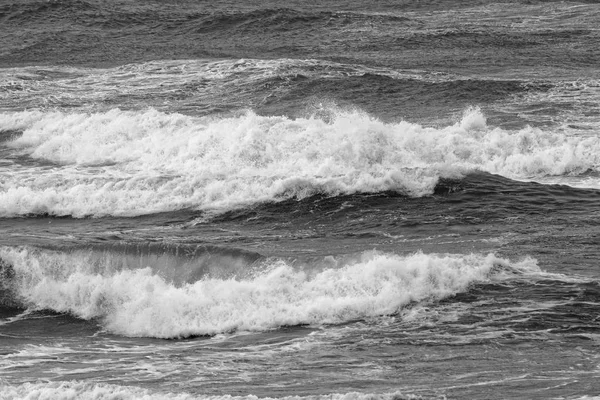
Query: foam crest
{"type": "Point", "coordinates": [101, 391]}
{"type": "Point", "coordinates": [140, 302]}
{"type": "Point", "coordinates": [138, 162]}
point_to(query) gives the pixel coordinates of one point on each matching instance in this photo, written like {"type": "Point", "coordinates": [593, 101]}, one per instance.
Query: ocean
{"type": "Point", "coordinates": [332, 200]}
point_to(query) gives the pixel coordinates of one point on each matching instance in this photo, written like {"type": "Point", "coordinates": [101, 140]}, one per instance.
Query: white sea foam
{"type": "Point", "coordinates": [140, 302]}
{"type": "Point", "coordinates": [137, 162]}
{"type": "Point", "coordinates": [99, 391]}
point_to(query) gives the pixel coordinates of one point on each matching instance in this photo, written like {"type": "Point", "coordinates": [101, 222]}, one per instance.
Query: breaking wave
{"type": "Point", "coordinates": [140, 162]}
{"type": "Point", "coordinates": [134, 300]}
{"type": "Point", "coordinates": [100, 391]}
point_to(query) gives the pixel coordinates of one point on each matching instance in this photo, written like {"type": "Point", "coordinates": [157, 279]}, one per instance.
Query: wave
{"type": "Point", "coordinates": [269, 87]}
{"type": "Point", "coordinates": [183, 19]}
{"type": "Point", "coordinates": [484, 38]}
{"type": "Point", "coordinates": [129, 163]}
{"type": "Point", "coordinates": [102, 391]}
{"type": "Point", "coordinates": [141, 301]}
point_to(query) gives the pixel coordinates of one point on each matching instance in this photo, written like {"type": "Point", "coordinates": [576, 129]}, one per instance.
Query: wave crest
{"type": "Point", "coordinates": [131, 163]}
{"type": "Point", "coordinates": [101, 391]}
{"type": "Point", "coordinates": [141, 302]}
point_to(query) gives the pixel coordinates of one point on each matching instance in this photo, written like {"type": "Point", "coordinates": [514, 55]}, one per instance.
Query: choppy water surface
{"type": "Point", "coordinates": [304, 201]}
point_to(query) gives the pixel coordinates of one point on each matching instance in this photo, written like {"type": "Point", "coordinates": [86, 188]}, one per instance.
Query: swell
{"type": "Point", "coordinates": [477, 198]}
{"type": "Point", "coordinates": [295, 88]}
{"type": "Point", "coordinates": [59, 30]}
{"type": "Point", "coordinates": [252, 21]}
{"type": "Point", "coordinates": [25, 11]}
{"type": "Point", "coordinates": [184, 17]}
{"type": "Point", "coordinates": [388, 97]}
{"type": "Point", "coordinates": [474, 39]}
{"type": "Point", "coordinates": [67, 33]}
{"type": "Point", "coordinates": [93, 13]}
{"type": "Point", "coordinates": [78, 14]}
{"type": "Point", "coordinates": [481, 186]}
{"type": "Point", "coordinates": [549, 306]}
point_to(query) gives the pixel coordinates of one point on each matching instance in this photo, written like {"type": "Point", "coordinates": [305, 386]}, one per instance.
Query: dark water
{"type": "Point", "coordinates": [332, 200]}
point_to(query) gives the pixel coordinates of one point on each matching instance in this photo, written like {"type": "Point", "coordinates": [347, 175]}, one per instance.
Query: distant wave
{"type": "Point", "coordinates": [140, 162]}
{"type": "Point", "coordinates": [269, 87]}
{"type": "Point", "coordinates": [515, 39]}
{"type": "Point", "coordinates": [182, 19]}
{"type": "Point", "coordinates": [138, 300]}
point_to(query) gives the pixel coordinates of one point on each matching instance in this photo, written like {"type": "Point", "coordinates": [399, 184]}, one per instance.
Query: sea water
{"type": "Point", "coordinates": [313, 200]}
